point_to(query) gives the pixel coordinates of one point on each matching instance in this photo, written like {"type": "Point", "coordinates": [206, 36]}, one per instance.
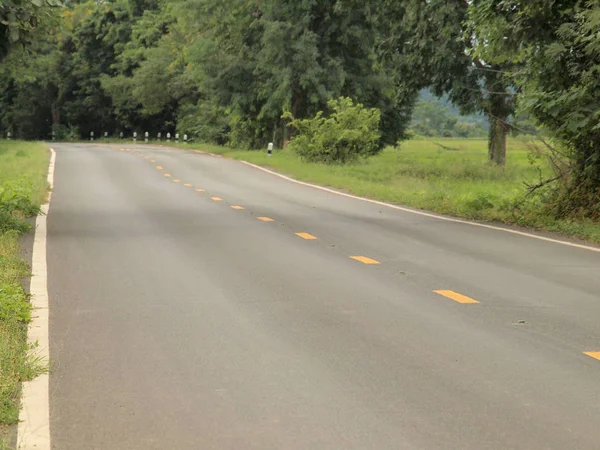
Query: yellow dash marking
{"type": "Point", "coordinates": [237, 207]}
{"type": "Point", "coordinates": [365, 260]}
{"type": "Point", "coordinates": [199, 190]}
{"type": "Point", "coordinates": [167, 175]}
{"type": "Point", "coordinates": [456, 297]}
{"type": "Point", "coordinates": [153, 160]}
{"type": "Point", "coordinates": [176, 181]}
{"type": "Point", "coordinates": [266, 219]}
{"type": "Point", "coordinates": [160, 167]}
{"type": "Point", "coordinates": [187, 185]}
{"type": "Point", "coordinates": [595, 355]}
{"type": "Point", "coordinates": [308, 237]}
{"type": "Point", "coordinates": [216, 199]}
{"type": "Point", "coordinates": [122, 149]}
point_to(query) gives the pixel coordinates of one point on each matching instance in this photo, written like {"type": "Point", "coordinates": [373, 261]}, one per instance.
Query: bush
{"type": "Point", "coordinates": [350, 132]}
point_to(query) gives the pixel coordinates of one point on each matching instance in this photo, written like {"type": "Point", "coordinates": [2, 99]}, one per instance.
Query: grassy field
{"type": "Point", "coordinates": [23, 187]}
{"type": "Point", "coordinates": [448, 176]}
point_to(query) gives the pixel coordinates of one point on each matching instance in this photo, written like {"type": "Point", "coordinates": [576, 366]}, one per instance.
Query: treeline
{"type": "Point", "coordinates": [222, 72]}
{"type": "Point", "coordinates": [241, 72]}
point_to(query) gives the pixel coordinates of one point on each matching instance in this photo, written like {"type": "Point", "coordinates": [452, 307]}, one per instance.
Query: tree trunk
{"type": "Point", "coordinates": [55, 115]}
{"type": "Point", "coordinates": [497, 140]}
{"type": "Point", "coordinates": [288, 131]}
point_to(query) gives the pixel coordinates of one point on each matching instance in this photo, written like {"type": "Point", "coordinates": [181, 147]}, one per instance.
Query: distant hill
{"type": "Point", "coordinates": [437, 116]}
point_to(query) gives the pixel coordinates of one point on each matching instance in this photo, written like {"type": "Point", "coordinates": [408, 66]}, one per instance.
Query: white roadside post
{"type": "Point", "coordinates": [158, 136]}
{"type": "Point", "coordinates": [168, 137]}
{"type": "Point", "coordinates": [270, 149]}
{"type": "Point", "coordinates": [91, 135]}
{"type": "Point", "coordinates": [8, 136]}
{"type": "Point", "coordinates": [177, 138]}
{"type": "Point", "coordinates": [185, 138]}
{"type": "Point", "coordinates": [134, 136]}
{"type": "Point", "coordinates": [146, 134]}
{"type": "Point", "coordinates": [121, 135]}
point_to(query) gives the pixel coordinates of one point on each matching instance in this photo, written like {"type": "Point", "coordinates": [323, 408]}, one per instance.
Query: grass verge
{"type": "Point", "coordinates": [23, 188]}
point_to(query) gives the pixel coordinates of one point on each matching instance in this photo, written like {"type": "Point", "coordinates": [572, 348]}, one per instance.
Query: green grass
{"type": "Point", "coordinates": [23, 167]}
{"type": "Point", "coordinates": [447, 176]}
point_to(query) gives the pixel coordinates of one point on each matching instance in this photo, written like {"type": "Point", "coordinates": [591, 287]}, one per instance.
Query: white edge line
{"type": "Point", "coordinates": [34, 419]}
{"type": "Point", "coordinates": [425, 214]}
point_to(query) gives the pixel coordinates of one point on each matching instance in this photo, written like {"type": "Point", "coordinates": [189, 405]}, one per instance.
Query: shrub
{"type": "Point", "coordinates": [350, 132]}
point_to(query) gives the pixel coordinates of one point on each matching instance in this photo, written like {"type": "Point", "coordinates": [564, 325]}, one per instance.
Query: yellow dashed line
{"type": "Point", "coordinates": [308, 237]}
{"type": "Point", "coordinates": [168, 175]}
{"type": "Point", "coordinates": [365, 260]}
{"type": "Point", "coordinates": [456, 297]}
{"type": "Point", "coordinates": [152, 160]}
{"type": "Point", "coordinates": [595, 355]}
{"type": "Point", "coordinates": [199, 190]}
{"type": "Point", "coordinates": [160, 167]}
{"type": "Point", "coordinates": [237, 207]}
{"type": "Point", "coordinates": [176, 181]}
{"type": "Point", "coordinates": [266, 219]}
{"type": "Point", "coordinates": [216, 199]}
{"type": "Point", "coordinates": [187, 185]}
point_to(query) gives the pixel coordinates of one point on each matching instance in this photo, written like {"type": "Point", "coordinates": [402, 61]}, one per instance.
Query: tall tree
{"type": "Point", "coordinates": [556, 47]}
{"type": "Point", "coordinates": [19, 18]}
{"type": "Point", "coordinates": [433, 44]}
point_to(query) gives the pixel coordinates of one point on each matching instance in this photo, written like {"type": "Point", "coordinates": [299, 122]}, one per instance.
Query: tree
{"type": "Point", "coordinates": [433, 45]}
{"type": "Point", "coordinates": [556, 47]}
{"type": "Point", "coordinates": [18, 19]}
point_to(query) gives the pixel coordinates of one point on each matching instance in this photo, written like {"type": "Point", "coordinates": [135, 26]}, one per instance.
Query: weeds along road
{"type": "Point", "coordinates": [199, 303]}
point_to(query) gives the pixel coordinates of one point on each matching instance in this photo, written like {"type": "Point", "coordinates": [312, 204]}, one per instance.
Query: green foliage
{"type": "Point", "coordinates": [15, 205]}
{"type": "Point", "coordinates": [433, 118]}
{"type": "Point", "coordinates": [349, 132]}
{"type": "Point", "coordinates": [556, 49]}
{"type": "Point", "coordinates": [18, 20]}
{"type": "Point", "coordinates": [14, 304]}
{"type": "Point", "coordinates": [15, 197]}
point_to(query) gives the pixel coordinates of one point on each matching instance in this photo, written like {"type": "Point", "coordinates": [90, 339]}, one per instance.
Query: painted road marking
{"type": "Point", "coordinates": [168, 175]}
{"type": "Point", "coordinates": [595, 355]}
{"type": "Point", "coordinates": [365, 260]}
{"type": "Point", "coordinates": [33, 430]}
{"type": "Point", "coordinates": [308, 237]}
{"type": "Point", "coordinates": [456, 296]}
{"type": "Point", "coordinates": [216, 199]}
{"type": "Point", "coordinates": [160, 167]}
{"type": "Point", "coordinates": [266, 219]}
{"type": "Point", "coordinates": [199, 190]}
{"type": "Point", "coordinates": [152, 160]}
{"type": "Point", "coordinates": [187, 185]}
{"type": "Point", "coordinates": [422, 213]}
{"type": "Point", "coordinates": [122, 149]}
{"type": "Point", "coordinates": [237, 207]}
{"type": "Point", "coordinates": [176, 181]}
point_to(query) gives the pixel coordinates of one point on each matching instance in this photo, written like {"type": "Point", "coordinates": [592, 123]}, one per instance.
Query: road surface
{"type": "Point", "coordinates": [187, 313]}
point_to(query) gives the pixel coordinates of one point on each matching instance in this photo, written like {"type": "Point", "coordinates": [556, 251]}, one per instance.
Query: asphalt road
{"type": "Point", "coordinates": [179, 322]}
